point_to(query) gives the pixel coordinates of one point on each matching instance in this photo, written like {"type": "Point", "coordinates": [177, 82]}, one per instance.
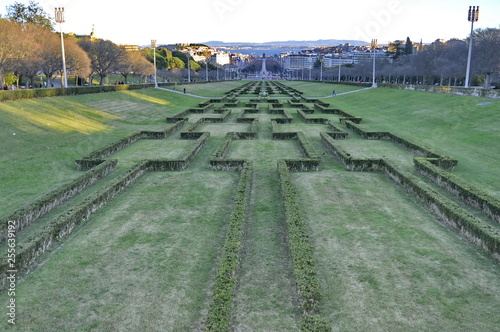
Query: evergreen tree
{"type": "Point", "coordinates": [32, 13]}
{"type": "Point", "coordinates": [408, 46]}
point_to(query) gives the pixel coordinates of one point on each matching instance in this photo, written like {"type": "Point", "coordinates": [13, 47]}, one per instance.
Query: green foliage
{"type": "Point", "coordinates": [469, 194]}
{"type": "Point", "coordinates": [304, 270]}
{"type": "Point", "coordinates": [315, 323]}
{"type": "Point", "coordinates": [219, 313]}
{"type": "Point", "coordinates": [32, 13]}
{"type": "Point", "coordinates": [175, 63]}
{"type": "Point", "coordinates": [10, 78]}
{"type": "Point", "coordinates": [194, 65]}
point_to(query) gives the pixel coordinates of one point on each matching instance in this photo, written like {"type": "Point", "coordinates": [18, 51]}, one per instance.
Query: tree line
{"type": "Point", "coordinates": [30, 46]}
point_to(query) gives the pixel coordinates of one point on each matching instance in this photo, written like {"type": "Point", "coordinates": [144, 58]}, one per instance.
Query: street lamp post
{"type": "Point", "coordinates": [153, 46]}
{"type": "Point", "coordinates": [59, 17]}
{"type": "Point", "coordinates": [189, 70]}
{"type": "Point", "coordinates": [206, 68]}
{"type": "Point", "coordinates": [473, 17]}
{"type": "Point", "coordinates": [374, 45]}
{"type": "Point", "coordinates": [321, 70]}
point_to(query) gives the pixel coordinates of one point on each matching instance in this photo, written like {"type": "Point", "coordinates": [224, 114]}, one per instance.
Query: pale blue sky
{"type": "Point", "coordinates": [175, 21]}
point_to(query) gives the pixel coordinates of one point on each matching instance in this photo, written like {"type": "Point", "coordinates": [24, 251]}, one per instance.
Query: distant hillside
{"type": "Point", "coordinates": [286, 44]}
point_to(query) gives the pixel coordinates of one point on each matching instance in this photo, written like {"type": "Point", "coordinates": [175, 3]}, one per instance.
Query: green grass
{"type": "Point", "coordinates": [392, 266]}
{"type": "Point", "coordinates": [147, 260]}
{"type": "Point", "coordinates": [312, 89]}
{"type": "Point", "coordinates": [453, 125]}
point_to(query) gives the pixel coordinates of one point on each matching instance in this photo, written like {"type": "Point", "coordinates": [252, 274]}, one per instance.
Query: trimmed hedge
{"type": "Point", "coordinates": [9, 95]}
{"type": "Point", "coordinates": [470, 195]}
{"type": "Point", "coordinates": [219, 312]}
{"type": "Point", "coordinates": [96, 157]}
{"type": "Point", "coordinates": [353, 164]}
{"type": "Point", "coordinates": [440, 160]}
{"type": "Point", "coordinates": [304, 265]}
{"type": "Point", "coordinates": [222, 149]}
{"type": "Point", "coordinates": [25, 216]}
{"type": "Point", "coordinates": [43, 239]}
{"type": "Point", "coordinates": [452, 214]}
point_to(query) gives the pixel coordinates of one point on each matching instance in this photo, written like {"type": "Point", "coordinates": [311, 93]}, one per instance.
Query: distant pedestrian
{"type": "Point", "coordinates": [184, 90]}
{"type": "Point", "coordinates": [334, 93]}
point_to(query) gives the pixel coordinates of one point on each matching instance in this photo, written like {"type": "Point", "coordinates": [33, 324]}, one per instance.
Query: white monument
{"type": "Point", "coordinates": [263, 72]}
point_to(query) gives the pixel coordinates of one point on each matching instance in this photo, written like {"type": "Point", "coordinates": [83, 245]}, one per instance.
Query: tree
{"type": "Point", "coordinates": [395, 49]}
{"type": "Point", "coordinates": [77, 60]}
{"type": "Point", "coordinates": [161, 60]}
{"type": "Point", "coordinates": [485, 53]}
{"type": "Point", "coordinates": [408, 46]}
{"type": "Point", "coordinates": [31, 13]}
{"type": "Point", "coordinates": [16, 43]}
{"type": "Point", "coordinates": [193, 65]}
{"type": "Point", "coordinates": [104, 55]}
{"type": "Point", "coordinates": [175, 63]}
{"type": "Point", "coordinates": [134, 63]}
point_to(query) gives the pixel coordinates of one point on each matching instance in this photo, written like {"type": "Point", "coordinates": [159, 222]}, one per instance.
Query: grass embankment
{"type": "Point", "coordinates": [40, 139]}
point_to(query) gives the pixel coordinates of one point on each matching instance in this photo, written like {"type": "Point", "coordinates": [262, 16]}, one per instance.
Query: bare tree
{"type": "Point", "coordinates": [486, 53]}
{"type": "Point", "coordinates": [104, 55]}
{"type": "Point", "coordinates": [16, 43]}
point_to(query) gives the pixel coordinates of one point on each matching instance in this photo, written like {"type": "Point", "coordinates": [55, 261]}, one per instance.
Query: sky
{"type": "Point", "coordinates": [192, 21]}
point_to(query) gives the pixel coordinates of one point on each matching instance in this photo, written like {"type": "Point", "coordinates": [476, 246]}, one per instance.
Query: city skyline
{"type": "Point", "coordinates": [265, 21]}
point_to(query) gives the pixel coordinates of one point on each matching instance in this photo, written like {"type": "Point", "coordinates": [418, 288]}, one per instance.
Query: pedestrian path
{"type": "Point", "coordinates": [187, 94]}
{"type": "Point", "coordinates": [343, 93]}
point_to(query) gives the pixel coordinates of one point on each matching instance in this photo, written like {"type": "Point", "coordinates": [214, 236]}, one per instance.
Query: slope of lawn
{"type": "Point", "coordinates": [41, 138]}
{"type": "Point", "coordinates": [457, 126]}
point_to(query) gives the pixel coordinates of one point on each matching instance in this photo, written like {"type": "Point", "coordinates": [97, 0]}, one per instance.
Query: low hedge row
{"type": "Point", "coordinates": [207, 105]}
{"type": "Point", "coordinates": [478, 231]}
{"type": "Point", "coordinates": [441, 160]}
{"type": "Point", "coordinates": [353, 164]}
{"type": "Point", "coordinates": [287, 117]}
{"type": "Point", "coordinates": [25, 216]}
{"type": "Point", "coordinates": [336, 133]}
{"type": "Point", "coordinates": [470, 195]}
{"type": "Point", "coordinates": [219, 312]}
{"type": "Point", "coordinates": [241, 117]}
{"type": "Point", "coordinates": [301, 250]}
{"type": "Point", "coordinates": [9, 95]}
{"type": "Point", "coordinates": [344, 116]}
{"type": "Point", "coordinates": [43, 239]}
{"type": "Point", "coordinates": [97, 156]}
{"type": "Point", "coordinates": [452, 214]}
{"type": "Point", "coordinates": [222, 149]}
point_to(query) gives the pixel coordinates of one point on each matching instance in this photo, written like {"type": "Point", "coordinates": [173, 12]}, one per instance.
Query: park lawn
{"type": "Point", "coordinates": [145, 262]}
{"type": "Point", "coordinates": [314, 89]}
{"type": "Point", "coordinates": [50, 133]}
{"type": "Point", "coordinates": [456, 126]}
{"type": "Point", "coordinates": [387, 264]}
{"type": "Point", "coordinates": [218, 89]}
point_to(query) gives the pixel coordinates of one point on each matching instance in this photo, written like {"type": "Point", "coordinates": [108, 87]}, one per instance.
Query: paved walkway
{"type": "Point", "coordinates": [187, 94]}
